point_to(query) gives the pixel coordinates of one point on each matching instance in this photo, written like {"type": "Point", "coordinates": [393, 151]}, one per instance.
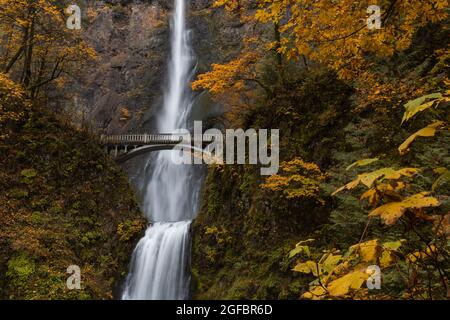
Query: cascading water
{"type": "Point", "coordinates": [160, 261]}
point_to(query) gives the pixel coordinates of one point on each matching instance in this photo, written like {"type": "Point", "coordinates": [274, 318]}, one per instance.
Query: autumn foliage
{"type": "Point", "coordinates": [36, 46]}
{"type": "Point", "coordinates": [392, 197]}
{"type": "Point", "coordinates": [336, 35]}
{"type": "Point", "coordinates": [406, 218]}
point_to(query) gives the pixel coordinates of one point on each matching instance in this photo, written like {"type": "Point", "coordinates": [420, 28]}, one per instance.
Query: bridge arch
{"type": "Point", "coordinates": [159, 147]}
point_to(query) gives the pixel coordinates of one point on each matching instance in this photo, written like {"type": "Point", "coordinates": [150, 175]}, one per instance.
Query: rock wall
{"type": "Point", "coordinates": [123, 91]}
{"type": "Point", "coordinates": [131, 43]}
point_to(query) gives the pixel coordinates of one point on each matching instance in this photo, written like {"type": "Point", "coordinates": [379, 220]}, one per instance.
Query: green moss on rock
{"type": "Point", "coordinates": [61, 203]}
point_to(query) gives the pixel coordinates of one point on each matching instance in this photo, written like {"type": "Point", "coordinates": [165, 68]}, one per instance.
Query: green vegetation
{"type": "Point", "coordinates": [364, 149]}
{"type": "Point", "coordinates": [62, 203]}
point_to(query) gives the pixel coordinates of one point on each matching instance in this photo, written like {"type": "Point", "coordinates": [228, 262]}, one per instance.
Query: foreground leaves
{"type": "Point", "coordinates": [444, 176]}
{"type": "Point", "coordinates": [428, 131]}
{"type": "Point", "coordinates": [340, 275]}
{"type": "Point", "coordinates": [418, 105]}
{"type": "Point", "coordinates": [369, 178]}
{"type": "Point", "coordinates": [393, 211]}
{"type": "Point", "coordinates": [362, 162]}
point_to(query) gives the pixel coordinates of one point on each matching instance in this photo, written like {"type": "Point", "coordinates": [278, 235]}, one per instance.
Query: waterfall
{"type": "Point", "coordinates": [159, 266]}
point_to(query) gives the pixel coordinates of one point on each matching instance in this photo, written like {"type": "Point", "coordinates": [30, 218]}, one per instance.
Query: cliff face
{"type": "Point", "coordinates": [131, 43]}
{"type": "Point", "coordinates": [123, 91]}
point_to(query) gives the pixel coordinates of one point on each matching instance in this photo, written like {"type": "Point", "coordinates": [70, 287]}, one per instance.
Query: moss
{"type": "Point", "coordinates": [18, 193]}
{"type": "Point", "coordinates": [28, 175]}
{"type": "Point", "coordinates": [129, 229]}
{"type": "Point", "coordinates": [61, 201]}
{"type": "Point", "coordinates": [20, 268]}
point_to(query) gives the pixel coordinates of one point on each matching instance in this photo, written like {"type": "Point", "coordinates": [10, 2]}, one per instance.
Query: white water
{"type": "Point", "coordinates": [159, 267]}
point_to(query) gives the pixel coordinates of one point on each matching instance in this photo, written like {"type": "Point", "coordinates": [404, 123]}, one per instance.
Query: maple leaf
{"type": "Point", "coordinates": [315, 293]}
{"type": "Point", "coordinates": [418, 105]}
{"type": "Point", "coordinates": [392, 211]}
{"type": "Point", "coordinates": [370, 177]}
{"type": "Point", "coordinates": [362, 162]}
{"type": "Point", "coordinates": [330, 262]}
{"type": "Point", "coordinates": [368, 251]}
{"type": "Point", "coordinates": [428, 131]}
{"type": "Point", "coordinates": [307, 267]}
{"type": "Point", "coordinates": [343, 285]}
{"type": "Point", "coordinates": [301, 248]}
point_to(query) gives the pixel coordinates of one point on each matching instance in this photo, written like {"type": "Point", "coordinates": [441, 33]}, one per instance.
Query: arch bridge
{"type": "Point", "coordinates": [127, 146]}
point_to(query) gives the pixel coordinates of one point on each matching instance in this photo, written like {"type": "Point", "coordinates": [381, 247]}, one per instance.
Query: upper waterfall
{"type": "Point", "coordinates": [176, 97]}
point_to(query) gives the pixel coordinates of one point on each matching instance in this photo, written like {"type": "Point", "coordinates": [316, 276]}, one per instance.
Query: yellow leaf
{"type": "Point", "coordinates": [428, 131]}
{"type": "Point", "coordinates": [407, 172]}
{"type": "Point", "coordinates": [343, 285]}
{"type": "Point", "coordinates": [315, 293]}
{"type": "Point", "coordinates": [306, 267]}
{"type": "Point", "coordinates": [370, 177]}
{"type": "Point", "coordinates": [386, 259]}
{"type": "Point", "coordinates": [400, 185]}
{"type": "Point", "coordinates": [392, 211]}
{"type": "Point", "coordinates": [330, 262]}
{"type": "Point", "coordinates": [348, 186]}
{"type": "Point", "coordinates": [418, 105]}
{"type": "Point", "coordinates": [388, 256]}
{"type": "Point", "coordinates": [368, 250]}
{"type": "Point", "coordinates": [362, 162]}
{"type": "Point", "coordinates": [385, 187]}
{"type": "Point", "coordinates": [420, 200]}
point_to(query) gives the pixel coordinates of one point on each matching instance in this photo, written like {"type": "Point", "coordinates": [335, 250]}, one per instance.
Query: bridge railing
{"type": "Point", "coordinates": [151, 138]}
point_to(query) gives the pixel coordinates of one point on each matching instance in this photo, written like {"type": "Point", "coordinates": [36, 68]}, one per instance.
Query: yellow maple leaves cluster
{"type": "Point", "coordinates": [231, 76]}
{"type": "Point", "coordinates": [297, 179]}
{"type": "Point", "coordinates": [389, 194]}
{"type": "Point", "coordinates": [340, 275]}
